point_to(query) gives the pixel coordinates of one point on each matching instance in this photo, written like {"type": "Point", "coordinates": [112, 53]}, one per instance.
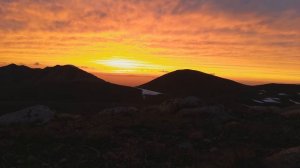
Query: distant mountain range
{"type": "Point", "coordinates": [71, 83]}
{"type": "Point", "coordinates": [59, 83]}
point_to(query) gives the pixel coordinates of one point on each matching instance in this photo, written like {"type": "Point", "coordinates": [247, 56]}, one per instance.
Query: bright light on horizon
{"type": "Point", "coordinates": [121, 63]}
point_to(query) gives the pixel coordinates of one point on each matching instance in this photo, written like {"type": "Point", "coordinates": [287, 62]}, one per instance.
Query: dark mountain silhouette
{"type": "Point", "coordinates": [194, 83]}
{"type": "Point", "coordinates": [59, 83]}
{"type": "Point", "coordinates": [69, 83]}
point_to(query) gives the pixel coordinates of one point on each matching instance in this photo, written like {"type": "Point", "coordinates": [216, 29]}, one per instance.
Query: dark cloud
{"type": "Point", "coordinates": [12, 25]}
{"type": "Point", "coordinates": [259, 7]}
{"type": "Point", "coordinates": [55, 15]}
{"type": "Point", "coordinates": [8, 1]}
{"type": "Point", "coordinates": [58, 25]}
{"type": "Point", "coordinates": [97, 14]}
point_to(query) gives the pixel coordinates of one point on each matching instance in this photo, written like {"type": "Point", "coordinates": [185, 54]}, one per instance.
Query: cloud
{"type": "Point", "coordinates": [12, 25]}
{"type": "Point", "coordinates": [258, 7]}
{"type": "Point", "coordinates": [94, 15]}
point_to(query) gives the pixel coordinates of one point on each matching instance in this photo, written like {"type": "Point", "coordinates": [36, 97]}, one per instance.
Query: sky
{"type": "Point", "coordinates": [130, 42]}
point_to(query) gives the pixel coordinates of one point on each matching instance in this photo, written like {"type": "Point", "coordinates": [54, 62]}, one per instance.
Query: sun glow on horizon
{"type": "Point", "coordinates": [121, 63]}
{"type": "Point", "coordinates": [124, 65]}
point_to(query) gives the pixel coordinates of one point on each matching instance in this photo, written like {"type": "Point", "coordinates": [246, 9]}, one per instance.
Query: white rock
{"type": "Point", "coordinates": [261, 92]}
{"type": "Point", "coordinates": [257, 101]}
{"type": "Point", "coordinates": [271, 100]}
{"type": "Point", "coordinates": [35, 114]}
{"type": "Point", "coordinates": [295, 102]}
{"type": "Point", "coordinates": [282, 94]}
{"type": "Point", "coordinates": [146, 92]}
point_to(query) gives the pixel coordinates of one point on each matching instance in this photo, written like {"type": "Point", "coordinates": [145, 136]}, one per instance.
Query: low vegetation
{"type": "Point", "coordinates": [176, 133]}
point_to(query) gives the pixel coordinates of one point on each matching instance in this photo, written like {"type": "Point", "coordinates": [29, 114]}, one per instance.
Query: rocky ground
{"type": "Point", "coordinates": [177, 133]}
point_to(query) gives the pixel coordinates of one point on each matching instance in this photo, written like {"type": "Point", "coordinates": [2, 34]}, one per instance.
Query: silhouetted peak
{"type": "Point", "coordinates": [185, 71]}
{"type": "Point", "coordinates": [15, 66]}
{"type": "Point", "coordinates": [188, 82]}
{"type": "Point", "coordinates": [63, 67]}
{"type": "Point", "coordinates": [61, 82]}
{"type": "Point", "coordinates": [187, 74]}
{"type": "Point", "coordinates": [188, 71]}
{"type": "Point", "coordinates": [58, 73]}
{"type": "Point", "coordinates": [66, 66]}
{"type": "Point", "coordinates": [68, 72]}
{"type": "Point", "coordinates": [11, 65]}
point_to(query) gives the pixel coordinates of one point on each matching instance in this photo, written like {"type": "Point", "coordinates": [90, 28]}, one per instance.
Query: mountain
{"type": "Point", "coordinates": [59, 83]}
{"type": "Point", "coordinates": [194, 83]}
{"type": "Point", "coordinates": [12, 74]}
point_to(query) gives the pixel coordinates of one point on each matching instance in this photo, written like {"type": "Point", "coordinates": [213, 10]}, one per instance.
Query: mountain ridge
{"type": "Point", "coordinates": [65, 82]}
{"type": "Point", "coordinates": [68, 82]}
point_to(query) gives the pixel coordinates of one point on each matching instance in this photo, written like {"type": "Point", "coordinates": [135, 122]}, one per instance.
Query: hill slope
{"type": "Point", "coordinates": [194, 83]}
{"type": "Point", "coordinates": [59, 83]}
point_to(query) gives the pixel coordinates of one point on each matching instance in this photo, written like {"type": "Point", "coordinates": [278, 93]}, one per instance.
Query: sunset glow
{"type": "Point", "coordinates": [121, 63]}
{"type": "Point", "coordinates": [255, 41]}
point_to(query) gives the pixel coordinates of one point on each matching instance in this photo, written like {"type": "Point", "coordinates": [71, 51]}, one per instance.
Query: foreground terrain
{"type": "Point", "coordinates": [176, 133]}
{"type": "Point", "coordinates": [62, 116]}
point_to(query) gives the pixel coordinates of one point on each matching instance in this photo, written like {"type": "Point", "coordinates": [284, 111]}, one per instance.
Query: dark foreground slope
{"type": "Point", "coordinates": [182, 132]}
{"type": "Point", "coordinates": [67, 83]}
{"type": "Point", "coordinates": [194, 83]}
{"type": "Point", "coordinates": [213, 136]}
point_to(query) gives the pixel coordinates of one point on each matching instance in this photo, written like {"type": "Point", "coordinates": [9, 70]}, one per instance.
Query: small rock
{"type": "Point", "coordinates": [292, 113]}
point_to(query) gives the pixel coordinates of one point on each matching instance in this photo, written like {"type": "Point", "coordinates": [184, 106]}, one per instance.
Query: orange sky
{"type": "Point", "coordinates": [132, 41]}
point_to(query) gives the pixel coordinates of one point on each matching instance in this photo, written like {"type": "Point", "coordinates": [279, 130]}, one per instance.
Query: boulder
{"type": "Point", "coordinates": [287, 158]}
{"type": "Point", "coordinates": [292, 112]}
{"type": "Point", "coordinates": [32, 115]}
